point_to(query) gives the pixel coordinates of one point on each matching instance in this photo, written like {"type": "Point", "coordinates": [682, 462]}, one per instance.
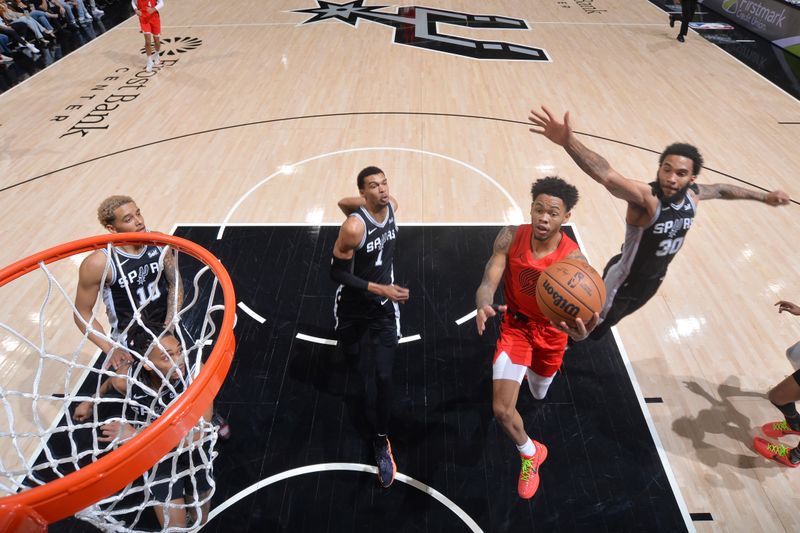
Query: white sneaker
{"type": "Point", "coordinates": [149, 67]}
{"type": "Point", "coordinates": [97, 12]}
{"type": "Point", "coordinates": [32, 48]}
{"type": "Point", "coordinates": [156, 60]}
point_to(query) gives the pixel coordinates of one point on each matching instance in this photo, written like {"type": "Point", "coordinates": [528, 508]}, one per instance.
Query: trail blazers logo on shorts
{"type": "Point", "coordinates": [419, 26]}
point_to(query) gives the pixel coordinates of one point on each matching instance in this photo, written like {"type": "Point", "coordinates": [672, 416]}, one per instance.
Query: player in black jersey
{"type": "Point", "coordinates": [367, 297]}
{"type": "Point", "coordinates": [658, 216]}
{"type": "Point", "coordinates": [137, 278]}
{"type": "Point", "coordinates": [163, 372]}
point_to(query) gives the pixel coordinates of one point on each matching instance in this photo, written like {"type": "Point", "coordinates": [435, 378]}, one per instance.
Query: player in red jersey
{"type": "Point", "coordinates": [150, 24]}
{"type": "Point", "coordinates": [783, 396]}
{"type": "Point", "coordinates": [529, 344]}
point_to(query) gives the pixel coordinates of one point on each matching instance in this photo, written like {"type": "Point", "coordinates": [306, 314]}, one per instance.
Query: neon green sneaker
{"type": "Point", "coordinates": [529, 471]}
{"type": "Point", "coordinates": [778, 429]}
{"type": "Point", "coordinates": [776, 452]}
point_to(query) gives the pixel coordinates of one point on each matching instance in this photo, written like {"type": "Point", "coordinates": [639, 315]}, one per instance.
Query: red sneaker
{"type": "Point", "coordinates": [529, 471]}
{"type": "Point", "coordinates": [776, 452]}
{"type": "Point", "coordinates": [778, 429]}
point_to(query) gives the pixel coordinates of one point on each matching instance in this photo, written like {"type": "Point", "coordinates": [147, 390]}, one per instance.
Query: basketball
{"type": "Point", "coordinates": [568, 290]}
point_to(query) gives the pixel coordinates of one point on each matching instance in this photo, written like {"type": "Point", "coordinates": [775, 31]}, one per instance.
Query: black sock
{"type": "Point", "coordinates": [794, 455]}
{"type": "Point", "coordinates": [789, 410]}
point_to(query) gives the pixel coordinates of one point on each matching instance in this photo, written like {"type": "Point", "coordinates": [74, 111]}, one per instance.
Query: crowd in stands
{"type": "Point", "coordinates": [32, 26]}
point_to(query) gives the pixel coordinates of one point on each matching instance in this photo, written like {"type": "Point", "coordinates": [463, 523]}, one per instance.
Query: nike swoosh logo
{"type": "Point", "coordinates": [123, 262]}
{"type": "Point", "coordinates": [384, 301]}
{"type": "Point", "coordinates": [370, 231]}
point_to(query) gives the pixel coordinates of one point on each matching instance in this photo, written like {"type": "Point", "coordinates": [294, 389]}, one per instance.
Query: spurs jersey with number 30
{"type": "Point", "coordinates": [648, 250]}
{"type": "Point", "coordinates": [373, 260]}
{"type": "Point", "coordinates": [148, 290]}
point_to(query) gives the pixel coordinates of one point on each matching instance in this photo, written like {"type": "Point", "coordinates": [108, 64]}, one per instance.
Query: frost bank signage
{"type": "Point", "coordinates": [772, 19]}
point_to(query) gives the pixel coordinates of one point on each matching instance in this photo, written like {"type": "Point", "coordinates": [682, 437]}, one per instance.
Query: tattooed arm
{"type": "Point", "coordinates": [725, 191]}
{"type": "Point", "coordinates": [492, 275]}
{"type": "Point", "coordinates": [595, 165]}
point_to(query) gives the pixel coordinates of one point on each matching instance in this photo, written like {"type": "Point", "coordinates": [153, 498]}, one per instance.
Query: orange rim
{"type": "Point", "coordinates": [66, 496]}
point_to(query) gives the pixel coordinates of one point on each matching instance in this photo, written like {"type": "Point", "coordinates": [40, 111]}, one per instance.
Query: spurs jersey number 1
{"type": "Point", "coordinates": [373, 259]}
{"type": "Point", "coordinates": [136, 283]}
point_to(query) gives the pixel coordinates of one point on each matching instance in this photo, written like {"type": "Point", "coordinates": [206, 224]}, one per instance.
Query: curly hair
{"type": "Point", "coordinates": [555, 186]}
{"type": "Point", "coordinates": [685, 150]}
{"type": "Point", "coordinates": [369, 171]}
{"type": "Point", "coordinates": [105, 213]}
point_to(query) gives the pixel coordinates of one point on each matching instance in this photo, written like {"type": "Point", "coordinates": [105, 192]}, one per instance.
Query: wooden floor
{"type": "Point", "coordinates": [257, 118]}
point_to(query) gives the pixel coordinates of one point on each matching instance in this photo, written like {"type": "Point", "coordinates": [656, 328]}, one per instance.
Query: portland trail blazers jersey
{"type": "Point", "coordinates": [373, 260]}
{"type": "Point", "coordinates": [523, 270]}
{"type": "Point", "coordinates": [148, 290]}
{"type": "Point", "coordinates": [648, 250]}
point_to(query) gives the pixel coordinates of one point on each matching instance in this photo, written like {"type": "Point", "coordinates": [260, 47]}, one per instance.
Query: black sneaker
{"type": "Point", "coordinates": [385, 461]}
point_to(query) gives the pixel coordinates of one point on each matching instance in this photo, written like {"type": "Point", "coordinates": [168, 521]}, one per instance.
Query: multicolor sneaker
{"type": "Point", "coordinates": [529, 471]}
{"type": "Point", "coordinates": [776, 452]}
{"type": "Point", "coordinates": [383, 457]}
{"type": "Point", "coordinates": [778, 429]}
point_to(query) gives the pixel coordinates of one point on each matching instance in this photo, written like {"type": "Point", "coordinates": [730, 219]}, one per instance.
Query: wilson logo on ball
{"type": "Point", "coordinates": [559, 301]}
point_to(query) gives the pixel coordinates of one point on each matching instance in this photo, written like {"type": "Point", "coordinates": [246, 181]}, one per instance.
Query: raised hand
{"type": "Point", "coordinates": [545, 124]}
{"type": "Point", "coordinates": [783, 305]}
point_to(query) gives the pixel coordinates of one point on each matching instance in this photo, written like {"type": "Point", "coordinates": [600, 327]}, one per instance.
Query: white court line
{"type": "Point", "coordinates": [469, 316]}
{"type": "Point", "coordinates": [515, 216]}
{"type": "Point", "coordinates": [252, 313]}
{"type": "Point", "coordinates": [318, 340]}
{"type": "Point", "coordinates": [231, 25]}
{"type": "Point", "coordinates": [347, 467]}
{"type": "Point", "coordinates": [662, 454]}
{"type": "Point", "coordinates": [409, 339]}
{"type": "Point", "coordinates": [687, 518]}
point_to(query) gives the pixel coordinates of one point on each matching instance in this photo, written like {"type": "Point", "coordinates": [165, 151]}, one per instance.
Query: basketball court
{"type": "Point", "coordinates": [258, 122]}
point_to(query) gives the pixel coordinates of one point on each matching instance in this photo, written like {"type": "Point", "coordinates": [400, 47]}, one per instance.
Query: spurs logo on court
{"type": "Point", "coordinates": [171, 46]}
{"type": "Point", "coordinates": [418, 26]}
{"type": "Point", "coordinates": [527, 281]}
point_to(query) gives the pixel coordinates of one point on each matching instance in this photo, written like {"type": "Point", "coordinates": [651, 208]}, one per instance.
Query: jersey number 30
{"type": "Point", "coordinates": [669, 246]}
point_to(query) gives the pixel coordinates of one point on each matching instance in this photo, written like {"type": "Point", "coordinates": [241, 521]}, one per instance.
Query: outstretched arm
{"type": "Point", "coordinates": [726, 191]}
{"type": "Point", "coordinates": [492, 275]}
{"type": "Point", "coordinates": [784, 305]}
{"type": "Point", "coordinates": [592, 163]}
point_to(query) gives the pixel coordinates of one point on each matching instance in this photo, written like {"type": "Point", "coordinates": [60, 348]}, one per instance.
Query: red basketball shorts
{"type": "Point", "coordinates": [537, 345]}
{"type": "Point", "coordinates": [150, 23]}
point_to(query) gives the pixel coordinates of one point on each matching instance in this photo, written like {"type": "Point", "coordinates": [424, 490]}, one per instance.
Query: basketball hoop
{"type": "Point", "coordinates": [32, 509]}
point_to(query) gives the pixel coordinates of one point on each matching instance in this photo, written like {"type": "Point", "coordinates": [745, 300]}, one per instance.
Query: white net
{"type": "Point", "coordinates": [63, 407]}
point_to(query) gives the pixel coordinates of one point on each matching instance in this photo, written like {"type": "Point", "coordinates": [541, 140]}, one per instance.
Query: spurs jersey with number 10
{"type": "Point", "coordinates": [373, 261]}
{"type": "Point", "coordinates": [148, 290]}
{"type": "Point", "coordinates": [648, 250]}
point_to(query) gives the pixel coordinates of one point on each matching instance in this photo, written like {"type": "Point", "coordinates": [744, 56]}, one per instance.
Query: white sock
{"type": "Point", "coordinates": [527, 449]}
